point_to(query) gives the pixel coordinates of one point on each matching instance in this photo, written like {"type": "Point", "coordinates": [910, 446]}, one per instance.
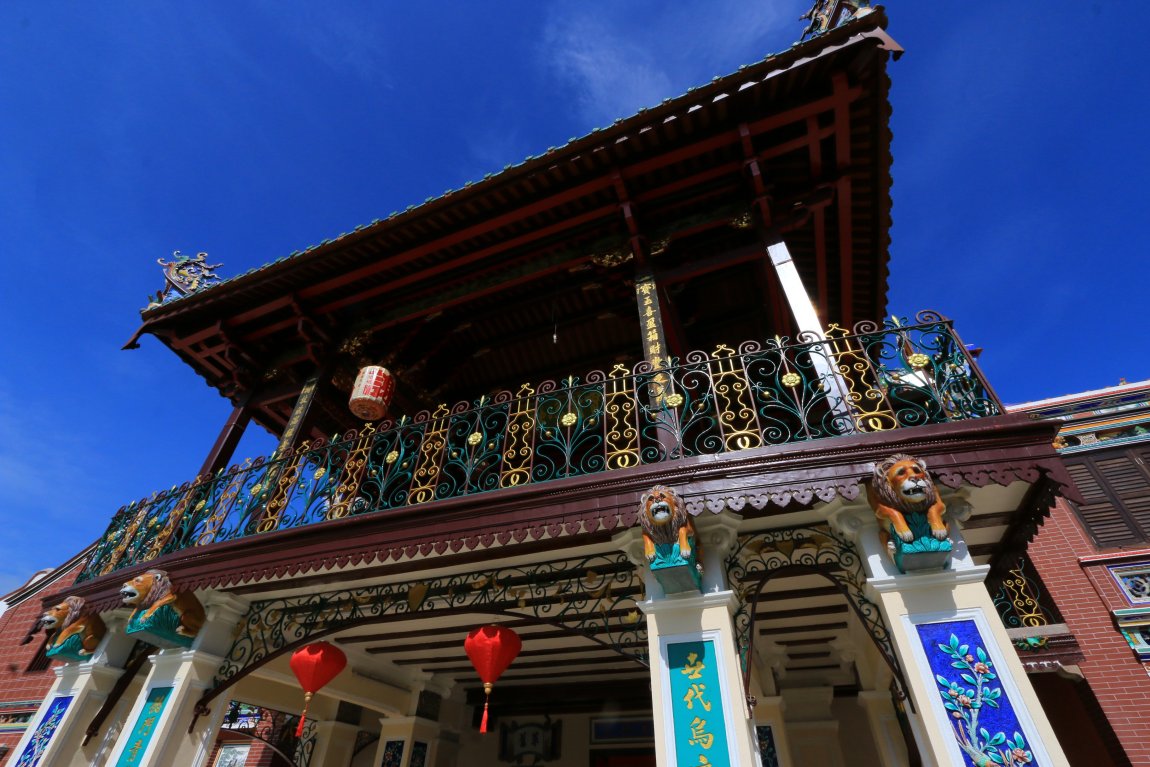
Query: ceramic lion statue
{"type": "Point", "coordinates": [901, 486]}
{"type": "Point", "coordinates": [64, 621]}
{"type": "Point", "coordinates": [149, 591]}
{"type": "Point", "coordinates": [665, 520]}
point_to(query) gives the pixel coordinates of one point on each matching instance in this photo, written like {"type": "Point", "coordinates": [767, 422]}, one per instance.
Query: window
{"type": "Point", "coordinates": [1115, 485]}
{"type": "Point", "coordinates": [40, 660]}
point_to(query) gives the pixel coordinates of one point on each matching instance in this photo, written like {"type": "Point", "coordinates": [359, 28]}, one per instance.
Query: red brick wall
{"type": "Point", "coordinates": [1085, 595]}
{"type": "Point", "coordinates": [16, 683]}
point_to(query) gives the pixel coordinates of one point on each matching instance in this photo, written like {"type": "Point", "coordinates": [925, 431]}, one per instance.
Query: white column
{"type": "Point", "coordinates": [812, 730]}
{"type": "Point", "coordinates": [334, 744]}
{"type": "Point", "coordinates": [412, 733]}
{"type": "Point", "coordinates": [156, 730]}
{"type": "Point", "coordinates": [884, 727]}
{"type": "Point", "coordinates": [681, 620]}
{"type": "Point", "coordinates": [920, 610]}
{"type": "Point", "coordinates": [807, 319]}
{"type": "Point", "coordinates": [87, 684]}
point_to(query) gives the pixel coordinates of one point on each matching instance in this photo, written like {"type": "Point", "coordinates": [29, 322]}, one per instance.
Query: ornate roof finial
{"type": "Point", "coordinates": [185, 275]}
{"type": "Point", "coordinates": [825, 15]}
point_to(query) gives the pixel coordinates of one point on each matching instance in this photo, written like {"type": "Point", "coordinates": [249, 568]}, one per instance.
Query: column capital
{"type": "Point", "coordinates": [916, 581]}
{"type": "Point", "coordinates": [727, 599]}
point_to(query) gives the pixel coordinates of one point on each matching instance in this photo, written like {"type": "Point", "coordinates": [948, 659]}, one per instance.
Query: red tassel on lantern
{"type": "Point", "coordinates": [314, 666]}
{"type": "Point", "coordinates": [491, 650]}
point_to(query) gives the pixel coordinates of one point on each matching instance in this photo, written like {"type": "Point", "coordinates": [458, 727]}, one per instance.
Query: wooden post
{"type": "Point", "coordinates": [225, 447]}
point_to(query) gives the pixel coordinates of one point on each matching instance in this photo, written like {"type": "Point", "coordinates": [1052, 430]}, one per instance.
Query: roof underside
{"type": "Point", "coordinates": [528, 274]}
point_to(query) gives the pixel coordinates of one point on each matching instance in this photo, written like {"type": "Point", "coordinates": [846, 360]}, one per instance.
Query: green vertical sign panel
{"type": "Point", "coordinates": [697, 705]}
{"type": "Point", "coordinates": [145, 725]}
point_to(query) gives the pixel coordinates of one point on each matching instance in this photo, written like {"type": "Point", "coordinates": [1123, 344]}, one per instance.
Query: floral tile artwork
{"type": "Point", "coordinates": [392, 754]}
{"type": "Point", "coordinates": [418, 754]}
{"type": "Point", "coordinates": [44, 732]}
{"type": "Point", "coordinates": [981, 715]}
{"type": "Point", "coordinates": [767, 750]}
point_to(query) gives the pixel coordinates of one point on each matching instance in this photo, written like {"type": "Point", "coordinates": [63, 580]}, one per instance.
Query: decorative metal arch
{"type": "Point", "coordinates": [593, 597]}
{"type": "Point", "coordinates": [815, 550]}
{"type": "Point", "coordinates": [275, 729]}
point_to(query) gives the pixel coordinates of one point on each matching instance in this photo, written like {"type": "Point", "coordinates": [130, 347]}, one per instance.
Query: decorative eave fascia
{"type": "Point", "coordinates": [586, 510]}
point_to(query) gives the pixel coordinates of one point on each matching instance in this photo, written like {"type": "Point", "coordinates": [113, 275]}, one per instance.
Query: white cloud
{"type": "Point", "coordinates": [642, 53]}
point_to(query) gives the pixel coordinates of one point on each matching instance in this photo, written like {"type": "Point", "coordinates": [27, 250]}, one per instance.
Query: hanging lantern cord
{"type": "Point", "coordinates": [303, 715]}
{"type": "Point", "coordinates": [487, 690]}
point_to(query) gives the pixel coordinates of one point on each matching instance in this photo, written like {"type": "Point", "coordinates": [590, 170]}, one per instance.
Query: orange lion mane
{"type": "Point", "coordinates": [664, 519]}
{"type": "Point", "coordinates": [901, 485]}
{"type": "Point", "coordinates": [151, 590]}
{"type": "Point", "coordinates": [65, 621]}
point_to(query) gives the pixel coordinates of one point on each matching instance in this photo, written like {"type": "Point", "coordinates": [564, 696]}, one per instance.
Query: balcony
{"type": "Point", "coordinates": [872, 378]}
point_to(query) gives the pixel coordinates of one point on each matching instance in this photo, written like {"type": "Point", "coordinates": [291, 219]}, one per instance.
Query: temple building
{"type": "Point", "coordinates": [641, 430]}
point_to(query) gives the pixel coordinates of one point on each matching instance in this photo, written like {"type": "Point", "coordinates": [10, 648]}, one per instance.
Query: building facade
{"type": "Point", "coordinates": [730, 556]}
{"type": "Point", "coordinates": [1093, 556]}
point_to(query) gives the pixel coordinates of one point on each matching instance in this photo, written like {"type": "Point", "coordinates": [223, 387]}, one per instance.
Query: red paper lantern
{"type": "Point", "coordinates": [491, 650]}
{"type": "Point", "coordinates": [372, 392]}
{"type": "Point", "coordinates": [314, 666]}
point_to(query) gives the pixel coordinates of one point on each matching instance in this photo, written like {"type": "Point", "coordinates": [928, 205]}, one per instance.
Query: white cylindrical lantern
{"type": "Point", "coordinates": [371, 395]}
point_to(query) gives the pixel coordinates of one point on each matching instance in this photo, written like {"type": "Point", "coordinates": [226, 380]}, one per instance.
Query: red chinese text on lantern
{"type": "Point", "coordinates": [372, 392]}
{"type": "Point", "coordinates": [314, 666]}
{"type": "Point", "coordinates": [491, 650]}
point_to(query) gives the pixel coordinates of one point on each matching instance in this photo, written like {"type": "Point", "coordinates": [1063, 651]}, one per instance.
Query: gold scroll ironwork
{"type": "Point", "coordinates": [621, 430]}
{"type": "Point", "coordinates": [520, 440]}
{"type": "Point", "coordinates": [733, 402]}
{"type": "Point", "coordinates": [869, 406]}
{"type": "Point", "coordinates": [430, 457]}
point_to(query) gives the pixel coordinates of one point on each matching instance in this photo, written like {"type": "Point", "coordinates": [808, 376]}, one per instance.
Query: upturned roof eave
{"type": "Point", "coordinates": [799, 54]}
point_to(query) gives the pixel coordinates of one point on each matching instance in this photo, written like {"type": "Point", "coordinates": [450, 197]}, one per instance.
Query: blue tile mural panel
{"type": "Point", "coordinates": [981, 715]}
{"type": "Point", "coordinates": [392, 754]}
{"type": "Point", "coordinates": [418, 754]}
{"type": "Point", "coordinates": [30, 757]}
{"type": "Point", "coordinates": [767, 750]}
{"type": "Point", "coordinates": [697, 704]}
{"type": "Point", "coordinates": [145, 726]}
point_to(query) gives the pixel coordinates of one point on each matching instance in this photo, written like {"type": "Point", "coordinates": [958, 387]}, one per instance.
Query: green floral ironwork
{"type": "Point", "coordinates": [594, 597]}
{"type": "Point", "coordinates": [872, 378]}
{"type": "Point", "coordinates": [965, 699]}
{"type": "Point", "coordinates": [818, 550]}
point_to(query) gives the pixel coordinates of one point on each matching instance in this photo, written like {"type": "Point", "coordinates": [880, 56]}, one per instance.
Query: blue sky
{"type": "Point", "coordinates": [253, 129]}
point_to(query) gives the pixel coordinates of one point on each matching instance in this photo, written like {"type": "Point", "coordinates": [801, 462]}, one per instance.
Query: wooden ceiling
{"type": "Point", "coordinates": [528, 274]}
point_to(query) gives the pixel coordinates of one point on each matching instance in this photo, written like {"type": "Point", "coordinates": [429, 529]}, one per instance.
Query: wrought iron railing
{"type": "Point", "coordinates": [872, 378]}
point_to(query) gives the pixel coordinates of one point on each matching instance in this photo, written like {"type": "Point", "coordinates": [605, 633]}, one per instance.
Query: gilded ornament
{"type": "Point", "coordinates": [256, 488]}
{"type": "Point", "coordinates": [918, 361]}
{"type": "Point", "coordinates": [319, 473]}
{"type": "Point", "coordinates": [792, 379]}
{"type": "Point", "coordinates": [474, 438]}
{"type": "Point", "coordinates": [568, 419]}
{"type": "Point", "coordinates": [200, 506]}
{"type": "Point", "coordinates": [674, 400]}
{"type": "Point", "coordinates": [391, 457]}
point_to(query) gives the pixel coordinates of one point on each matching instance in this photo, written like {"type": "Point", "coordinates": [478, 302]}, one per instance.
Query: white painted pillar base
{"type": "Point", "coordinates": [956, 596]}
{"type": "Point", "coordinates": [188, 674]}
{"type": "Point", "coordinates": [769, 713]}
{"type": "Point", "coordinates": [88, 684]}
{"type": "Point", "coordinates": [414, 733]}
{"type": "Point", "coordinates": [334, 744]}
{"type": "Point", "coordinates": [689, 618]}
{"type": "Point", "coordinates": [812, 729]}
{"type": "Point", "coordinates": [884, 727]}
